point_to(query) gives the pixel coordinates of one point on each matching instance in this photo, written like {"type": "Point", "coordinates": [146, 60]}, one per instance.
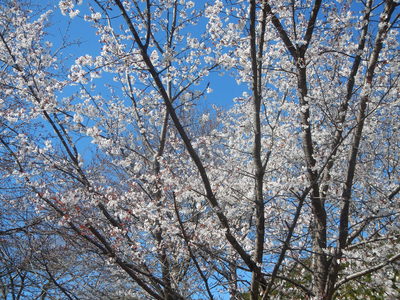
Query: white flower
{"type": "Point", "coordinates": [189, 4]}
{"type": "Point", "coordinates": [205, 118]}
{"type": "Point", "coordinates": [93, 131]}
{"type": "Point", "coordinates": [154, 56]}
{"type": "Point", "coordinates": [84, 60]}
{"type": "Point", "coordinates": [73, 13]}
{"type": "Point", "coordinates": [78, 118]}
{"type": "Point", "coordinates": [96, 16]}
{"type": "Point", "coordinates": [66, 6]}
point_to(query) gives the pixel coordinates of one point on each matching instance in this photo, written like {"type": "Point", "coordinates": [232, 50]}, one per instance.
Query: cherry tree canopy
{"type": "Point", "coordinates": [290, 191]}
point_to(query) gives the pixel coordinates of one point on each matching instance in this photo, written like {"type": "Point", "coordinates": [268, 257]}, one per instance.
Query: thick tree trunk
{"type": "Point", "coordinates": [256, 62]}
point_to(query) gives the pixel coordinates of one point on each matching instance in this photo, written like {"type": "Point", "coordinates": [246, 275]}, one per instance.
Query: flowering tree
{"type": "Point", "coordinates": [292, 192]}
